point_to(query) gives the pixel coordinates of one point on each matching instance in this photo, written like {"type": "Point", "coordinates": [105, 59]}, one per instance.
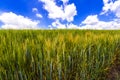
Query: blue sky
{"type": "Point", "coordinates": [73, 14]}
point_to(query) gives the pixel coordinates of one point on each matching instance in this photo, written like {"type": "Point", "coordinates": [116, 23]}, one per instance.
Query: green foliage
{"type": "Point", "coordinates": [57, 54]}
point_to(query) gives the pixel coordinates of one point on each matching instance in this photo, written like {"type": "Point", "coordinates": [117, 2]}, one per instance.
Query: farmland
{"type": "Point", "coordinates": [59, 55]}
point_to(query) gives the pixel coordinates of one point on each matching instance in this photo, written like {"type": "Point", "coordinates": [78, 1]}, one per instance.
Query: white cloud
{"type": "Point", "coordinates": [11, 20]}
{"type": "Point", "coordinates": [92, 19]}
{"type": "Point", "coordinates": [34, 10]}
{"type": "Point", "coordinates": [55, 12]}
{"type": "Point", "coordinates": [72, 26]}
{"type": "Point", "coordinates": [89, 23]}
{"type": "Point", "coordinates": [114, 7]}
{"type": "Point", "coordinates": [65, 1]}
{"type": "Point", "coordinates": [68, 11]}
{"type": "Point", "coordinates": [58, 25]}
{"type": "Point", "coordinates": [39, 15]}
{"type": "Point", "coordinates": [107, 5]}
{"type": "Point", "coordinates": [93, 22]}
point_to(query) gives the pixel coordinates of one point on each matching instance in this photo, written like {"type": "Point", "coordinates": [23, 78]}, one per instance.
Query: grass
{"type": "Point", "coordinates": [59, 55]}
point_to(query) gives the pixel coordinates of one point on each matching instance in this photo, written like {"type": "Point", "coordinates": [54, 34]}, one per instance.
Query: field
{"type": "Point", "coordinates": [59, 55]}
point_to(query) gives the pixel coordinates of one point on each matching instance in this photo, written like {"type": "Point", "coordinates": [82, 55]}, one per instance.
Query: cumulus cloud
{"type": "Point", "coordinates": [92, 22]}
{"type": "Point", "coordinates": [72, 26]}
{"type": "Point", "coordinates": [92, 19]}
{"type": "Point", "coordinates": [65, 1]}
{"type": "Point", "coordinates": [111, 6]}
{"type": "Point", "coordinates": [64, 12]}
{"type": "Point", "coordinates": [57, 24]}
{"type": "Point", "coordinates": [11, 20]}
{"type": "Point", "coordinates": [68, 11]}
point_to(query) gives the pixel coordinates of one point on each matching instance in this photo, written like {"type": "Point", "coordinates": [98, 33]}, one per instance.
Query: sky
{"type": "Point", "coordinates": [60, 14]}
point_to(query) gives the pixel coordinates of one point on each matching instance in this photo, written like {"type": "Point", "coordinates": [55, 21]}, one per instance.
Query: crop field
{"type": "Point", "coordinates": [59, 55]}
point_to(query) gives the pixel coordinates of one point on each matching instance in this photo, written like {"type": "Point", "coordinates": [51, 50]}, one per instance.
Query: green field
{"type": "Point", "coordinates": [59, 55]}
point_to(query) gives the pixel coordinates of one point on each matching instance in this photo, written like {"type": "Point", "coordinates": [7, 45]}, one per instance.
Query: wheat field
{"type": "Point", "coordinates": [59, 55]}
